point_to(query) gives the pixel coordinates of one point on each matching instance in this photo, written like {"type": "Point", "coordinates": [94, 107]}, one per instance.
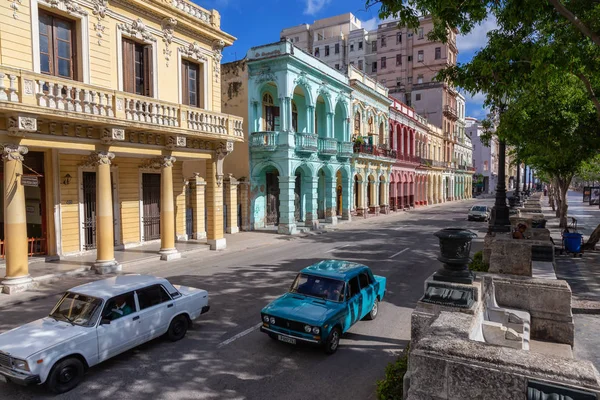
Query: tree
{"type": "Point", "coordinates": [590, 171]}
{"type": "Point", "coordinates": [533, 36]}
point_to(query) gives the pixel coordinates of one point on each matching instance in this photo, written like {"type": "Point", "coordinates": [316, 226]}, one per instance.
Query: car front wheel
{"type": "Point", "coordinates": [178, 328]}
{"type": "Point", "coordinates": [374, 310]}
{"type": "Point", "coordinates": [333, 340]}
{"type": "Point", "coordinates": [65, 375]}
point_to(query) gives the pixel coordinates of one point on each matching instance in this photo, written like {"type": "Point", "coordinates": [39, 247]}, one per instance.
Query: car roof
{"type": "Point", "coordinates": [107, 288]}
{"type": "Point", "coordinates": [337, 269]}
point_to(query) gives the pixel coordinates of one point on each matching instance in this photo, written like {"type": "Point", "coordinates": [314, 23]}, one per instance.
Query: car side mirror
{"type": "Point", "coordinates": [105, 321]}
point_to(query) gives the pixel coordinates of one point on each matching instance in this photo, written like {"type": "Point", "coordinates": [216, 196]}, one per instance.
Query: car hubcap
{"type": "Point", "coordinates": [178, 328]}
{"type": "Point", "coordinates": [335, 338]}
{"type": "Point", "coordinates": [375, 308]}
{"type": "Point", "coordinates": [66, 375]}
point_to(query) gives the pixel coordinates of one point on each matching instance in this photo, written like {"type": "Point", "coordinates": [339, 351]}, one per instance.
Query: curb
{"type": "Point", "coordinates": [584, 306]}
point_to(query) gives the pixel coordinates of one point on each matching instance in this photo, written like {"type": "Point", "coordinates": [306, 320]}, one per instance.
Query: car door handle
{"type": "Point", "coordinates": [170, 305]}
{"type": "Point", "coordinates": [136, 318]}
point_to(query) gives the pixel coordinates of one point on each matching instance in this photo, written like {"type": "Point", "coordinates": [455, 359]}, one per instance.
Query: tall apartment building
{"type": "Point", "coordinates": [326, 38]}
{"type": "Point", "coordinates": [402, 59]}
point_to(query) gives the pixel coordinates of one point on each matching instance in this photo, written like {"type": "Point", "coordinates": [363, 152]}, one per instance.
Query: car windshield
{"type": "Point", "coordinates": [479, 208]}
{"type": "Point", "coordinates": [317, 286]}
{"type": "Point", "coordinates": [77, 309]}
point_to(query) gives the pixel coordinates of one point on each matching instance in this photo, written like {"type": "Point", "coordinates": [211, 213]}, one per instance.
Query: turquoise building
{"type": "Point", "coordinates": [300, 149]}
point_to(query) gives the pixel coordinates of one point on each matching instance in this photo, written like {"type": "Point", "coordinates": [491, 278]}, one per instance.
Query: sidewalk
{"type": "Point", "coordinates": [583, 274]}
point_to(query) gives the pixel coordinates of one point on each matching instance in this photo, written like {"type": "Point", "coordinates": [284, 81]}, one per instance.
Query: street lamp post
{"type": "Point", "coordinates": [525, 180]}
{"type": "Point", "coordinates": [516, 194]}
{"type": "Point", "coordinates": [500, 213]}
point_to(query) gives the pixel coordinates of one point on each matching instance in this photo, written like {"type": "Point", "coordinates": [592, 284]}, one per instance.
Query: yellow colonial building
{"type": "Point", "coordinates": [111, 129]}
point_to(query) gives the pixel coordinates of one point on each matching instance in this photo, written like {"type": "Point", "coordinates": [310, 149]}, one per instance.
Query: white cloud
{"type": "Point", "coordinates": [475, 105]}
{"type": "Point", "coordinates": [370, 24]}
{"type": "Point", "coordinates": [314, 6]}
{"type": "Point", "coordinates": [477, 38]}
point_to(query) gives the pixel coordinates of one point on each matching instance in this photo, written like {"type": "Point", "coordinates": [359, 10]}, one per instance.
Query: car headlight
{"type": "Point", "coordinates": [20, 364]}
{"type": "Point", "coordinates": [272, 320]}
{"type": "Point", "coordinates": [266, 319]}
{"type": "Point", "coordinates": [307, 328]}
{"type": "Point", "coordinates": [316, 330]}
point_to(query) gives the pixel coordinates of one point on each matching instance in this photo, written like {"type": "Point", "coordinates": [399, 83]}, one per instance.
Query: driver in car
{"type": "Point", "coordinates": [120, 308]}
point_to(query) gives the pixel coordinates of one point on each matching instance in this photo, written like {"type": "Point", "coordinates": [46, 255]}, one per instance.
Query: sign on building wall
{"type": "Point", "coordinates": [31, 181]}
{"type": "Point", "coordinates": [595, 196]}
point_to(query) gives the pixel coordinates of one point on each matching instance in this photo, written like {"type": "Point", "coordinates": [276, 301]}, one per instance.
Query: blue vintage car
{"type": "Point", "coordinates": [324, 301]}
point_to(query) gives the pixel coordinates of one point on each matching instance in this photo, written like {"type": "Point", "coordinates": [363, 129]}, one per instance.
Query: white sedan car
{"type": "Point", "coordinates": [94, 322]}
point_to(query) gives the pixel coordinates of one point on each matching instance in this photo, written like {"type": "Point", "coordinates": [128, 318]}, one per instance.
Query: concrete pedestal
{"type": "Point", "coordinates": [218, 244]}
{"type": "Point", "coordinates": [169, 254]}
{"type": "Point", "coordinates": [103, 267]}
{"type": "Point", "coordinates": [18, 284]}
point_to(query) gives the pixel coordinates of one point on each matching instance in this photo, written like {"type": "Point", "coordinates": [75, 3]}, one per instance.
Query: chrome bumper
{"type": "Point", "coordinates": [19, 377]}
{"type": "Point", "coordinates": [298, 338]}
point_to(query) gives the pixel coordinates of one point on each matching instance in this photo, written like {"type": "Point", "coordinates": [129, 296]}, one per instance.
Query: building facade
{"type": "Point", "coordinates": [373, 155]}
{"type": "Point", "coordinates": [299, 144]}
{"type": "Point", "coordinates": [112, 130]}
{"type": "Point", "coordinates": [485, 159]}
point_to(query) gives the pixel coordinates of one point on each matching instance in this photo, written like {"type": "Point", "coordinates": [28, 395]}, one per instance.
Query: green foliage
{"type": "Point", "coordinates": [392, 386]}
{"type": "Point", "coordinates": [590, 170]}
{"type": "Point", "coordinates": [359, 140]}
{"type": "Point", "coordinates": [477, 264]}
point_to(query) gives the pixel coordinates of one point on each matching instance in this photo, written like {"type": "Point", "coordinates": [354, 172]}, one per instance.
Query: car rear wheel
{"type": "Point", "coordinates": [333, 340]}
{"type": "Point", "coordinates": [65, 375]}
{"type": "Point", "coordinates": [178, 328]}
{"type": "Point", "coordinates": [374, 310]}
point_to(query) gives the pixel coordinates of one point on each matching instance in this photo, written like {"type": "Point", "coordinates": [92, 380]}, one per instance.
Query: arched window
{"type": "Point", "coordinates": [381, 135]}
{"type": "Point", "coordinates": [357, 124]}
{"type": "Point", "coordinates": [269, 112]}
{"type": "Point", "coordinates": [371, 131]}
{"type": "Point", "coordinates": [294, 116]}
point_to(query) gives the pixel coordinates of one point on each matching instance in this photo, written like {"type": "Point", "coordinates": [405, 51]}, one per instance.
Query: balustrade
{"type": "Point", "coordinates": [345, 149]}
{"type": "Point", "coordinates": [327, 146]}
{"type": "Point", "coordinates": [305, 142]}
{"type": "Point", "coordinates": [64, 96]}
{"type": "Point", "coordinates": [264, 141]}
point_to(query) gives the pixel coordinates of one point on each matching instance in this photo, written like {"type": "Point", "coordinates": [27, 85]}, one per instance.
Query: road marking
{"type": "Point", "coordinates": [398, 253]}
{"type": "Point", "coordinates": [239, 335]}
{"type": "Point", "coordinates": [337, 248]}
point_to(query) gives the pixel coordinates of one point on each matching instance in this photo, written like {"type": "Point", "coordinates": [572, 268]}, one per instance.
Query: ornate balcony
{"type": "Point", "coordinates": [306, 142]}
{"type": "Point", "coordinates": [345, 149]}
{"type": "Point", "coordinates": [451, 112]}
{"type": "Point", "coordinates": [409, 158]}
{"type": "Point", "coordinates": [328, 146]}
{"type": "Point", "coordinates": [28, 92]}
{"type": "Point", "coordinates": [375, 151]}
{"type": "Point", "coordinates": [264, 141]}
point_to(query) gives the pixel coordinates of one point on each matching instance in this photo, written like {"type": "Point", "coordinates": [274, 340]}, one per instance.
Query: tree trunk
{"type": "Point", "coordinates": [593, 240]}
{"type": "Point", "coordinates": [557, 198]}
{"type": "Point", "coordinates": [551, 197]}
{"type": "Point", "coordinates": [563, 188]}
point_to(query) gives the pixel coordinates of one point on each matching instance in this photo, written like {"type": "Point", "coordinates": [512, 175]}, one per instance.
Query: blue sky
{"type": "Point", "coordinates": [256, 22]}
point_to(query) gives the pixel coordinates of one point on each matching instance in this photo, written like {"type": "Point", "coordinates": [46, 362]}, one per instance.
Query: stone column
{"type": "Point", "coordinates": [105, 238]}
{"type": "Point", "coordinates": [198, 193]}
{"type": "Point", "coordinates": [347, 199]}
{"type": "Point", "coordinates": [167, 211]}
{"type": "Point", "coordinates": [214, 206]}
{"type": "Point", "coordinates": [312, 217]}
{"type": "Point", "coordinates": [244, 189]}
{"type": "Point", "coordinates": [287, 221]}
{"type": "Point", "coordinates": [231, 186]}
{"type": "Point", "coordinates": [310, 119]}
{"type": "Point", "coordinates": [331, 200]}
{"type": "Point", "coordinates": [330, 125]}
{"type": "Point", "coordinates": [17, 277]}
{"type": "Point", "coordinates": [285, 107]}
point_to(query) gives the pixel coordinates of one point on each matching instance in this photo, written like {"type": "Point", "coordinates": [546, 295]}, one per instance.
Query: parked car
{"type": "Point", "coordinates": [324, 301]}
{"type": "Point", "coordinates": [479, 213]}
{"type": "Point", "coordinates": [94, 322]}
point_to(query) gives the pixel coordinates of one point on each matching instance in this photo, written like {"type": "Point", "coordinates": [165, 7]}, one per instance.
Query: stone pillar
{"type": "Point", "coordinates": [105, 237]}
{"type": "Point", "coordinates": [167, 211]}
{"type": "Point", "coordinates": [231, 197]}
{"type": "Point", "coordinates": [330, 125]}
{"type": "Point", "coordinates": [287, 220]}
{"type": "Point", "coordinates": [347, 199]}
{"type": "Point", "coordinates": [244, 189]}
{"type": "Point", "coordinates": [214, 206]}
{"type": "Point", "coordinates": [17, 277]}
{"type": "Point", "coordinates": [331, 200]}
{"type": "Point", "coordinates": [312, 217]}
{"type": "Point", "coordinates": [198, 193]}
{"type": "Point", "coordinates": [310, 119]}
{"type": "Point", "coordinates": [285, 106]}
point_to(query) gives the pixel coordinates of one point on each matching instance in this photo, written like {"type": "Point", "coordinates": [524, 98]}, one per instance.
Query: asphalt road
{"type": "Point", "coordinates": [224, 356]}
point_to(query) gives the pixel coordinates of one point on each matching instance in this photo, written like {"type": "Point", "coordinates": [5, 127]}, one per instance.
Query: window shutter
{"type": "Point", "coordinates": [128, 67]}
{"type": "Point", "coordinates": [148, 71]}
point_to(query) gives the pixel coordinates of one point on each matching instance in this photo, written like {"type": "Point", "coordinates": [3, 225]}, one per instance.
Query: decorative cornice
{"type": "Point", "coordinates": [100, 8]}
{"type": "Point", "coordinates": [69, 6]}
{"type": "Point", "coordinates": [194, 51]}
{"type": "Point", "coordinates": [168, 27]}
{"type": "Point", "coordinates": [138, 30]}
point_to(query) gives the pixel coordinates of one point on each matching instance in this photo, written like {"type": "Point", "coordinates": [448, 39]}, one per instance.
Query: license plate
{"type": "Point", "coordinates": [286, 339]}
